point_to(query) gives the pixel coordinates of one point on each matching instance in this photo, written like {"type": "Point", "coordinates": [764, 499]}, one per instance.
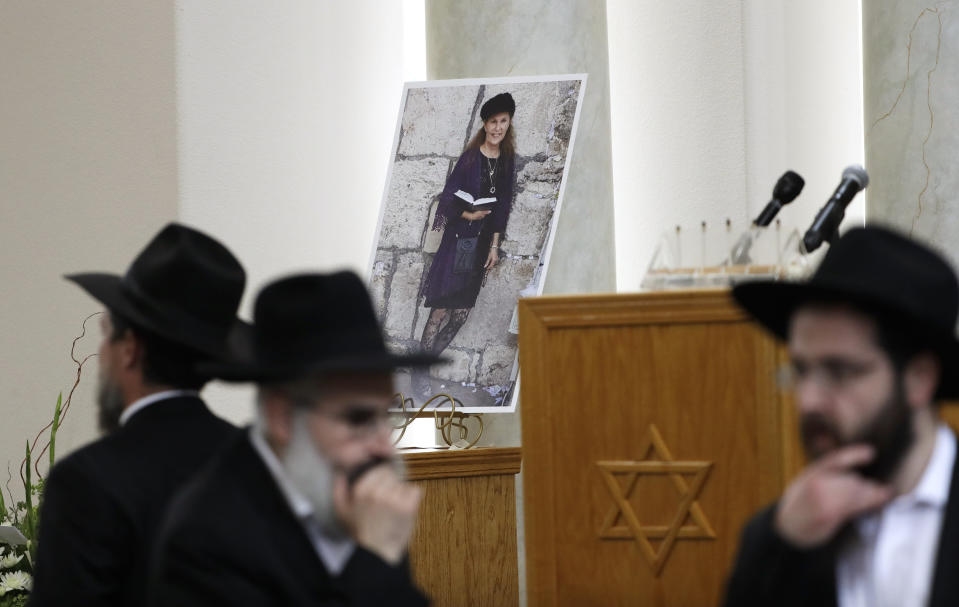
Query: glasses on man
{"type": "Point", "coordinates": [833, 374]}
{"type": "Point", "coordinates": [362, 420]}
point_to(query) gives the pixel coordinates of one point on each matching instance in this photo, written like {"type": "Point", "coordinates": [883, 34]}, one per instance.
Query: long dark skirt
{"type": "Point", "coordinates": [444, 288]}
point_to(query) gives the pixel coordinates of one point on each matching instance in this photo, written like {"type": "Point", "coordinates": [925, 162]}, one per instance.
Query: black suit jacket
{"type": "Point", "coordinates": [103, 504]}
{"type": "Point", "coordinates": [770, 571]}
{"type": "Point", "coordinates": [231, 539]}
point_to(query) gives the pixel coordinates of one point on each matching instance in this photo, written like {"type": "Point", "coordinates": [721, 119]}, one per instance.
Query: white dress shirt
{"type": "Point", "coordinates": [333, 552]}
{"type": "Point", "coordinates": [891, 562]}
{"type": "Point", "coordinates": [142, 403]}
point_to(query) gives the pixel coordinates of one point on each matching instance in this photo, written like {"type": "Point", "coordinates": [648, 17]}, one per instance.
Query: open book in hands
{"type": "Point", "coordinates": [469, 198]}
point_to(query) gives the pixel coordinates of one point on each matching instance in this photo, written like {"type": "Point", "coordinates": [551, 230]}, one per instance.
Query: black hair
{"type": "Point", "coordinates": [165, 362]}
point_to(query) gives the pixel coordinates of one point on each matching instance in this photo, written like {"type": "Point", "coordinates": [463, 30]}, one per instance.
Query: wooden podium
{"type": "Point", "coordinates": [463, 551]}
{"type": "Point", "coordinates": [652, 429]}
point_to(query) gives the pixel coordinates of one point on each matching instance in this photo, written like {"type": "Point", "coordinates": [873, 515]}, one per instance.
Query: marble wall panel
{"type": "Point", "coordinates": [911, 88]}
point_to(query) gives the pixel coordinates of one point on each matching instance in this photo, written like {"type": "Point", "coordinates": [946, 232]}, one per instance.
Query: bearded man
{"type": "Point", "coordinates": [309, 506]}
{"type": "Point", "coordinates": [873, 519]}
{"type": "Point", "coordinates": [175, 306]}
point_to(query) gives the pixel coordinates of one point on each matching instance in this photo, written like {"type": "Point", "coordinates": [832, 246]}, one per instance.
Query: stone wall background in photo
{"type": "Point", "coordinates": [436, 125]}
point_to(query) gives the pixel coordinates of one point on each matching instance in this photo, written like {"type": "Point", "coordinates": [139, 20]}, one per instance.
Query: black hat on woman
{"type": "Point", "coordinates": [497, 105]}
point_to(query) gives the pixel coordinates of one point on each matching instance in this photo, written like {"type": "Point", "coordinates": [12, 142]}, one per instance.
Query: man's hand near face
{"type": "Point", "coordinates": [379, 510]}
{"type": "Point", "coordinates": [828, 493]}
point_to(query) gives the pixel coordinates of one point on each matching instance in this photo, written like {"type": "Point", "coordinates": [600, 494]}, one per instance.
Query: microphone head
{"type": "Point", "coordinates": [856, 173]}
{"type": "Point", "coordinates": [788, 187]}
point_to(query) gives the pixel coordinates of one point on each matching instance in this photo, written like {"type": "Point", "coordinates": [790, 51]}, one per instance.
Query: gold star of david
{"type": "Point", "coordinates": [688, 506]}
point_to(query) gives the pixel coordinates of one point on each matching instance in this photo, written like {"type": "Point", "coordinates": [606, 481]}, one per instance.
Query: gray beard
{"type": "Point", "coordinates": [109, 405]}
{"type": "Point", "coordinates": [312, 475]}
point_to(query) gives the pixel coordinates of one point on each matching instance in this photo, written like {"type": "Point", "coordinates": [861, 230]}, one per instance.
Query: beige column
{"type": "Point", "coordinates": [532, 38]}
{"type": "Point", "coordinates": [540, 37]}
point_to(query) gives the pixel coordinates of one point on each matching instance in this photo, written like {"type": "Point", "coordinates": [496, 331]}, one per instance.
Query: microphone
{"type": "Point", "coordinates": [784, 192]}
{"type": "Point", "coordinates": [826, 224]}
{"type": "Point", "coordinates": [787, 188]}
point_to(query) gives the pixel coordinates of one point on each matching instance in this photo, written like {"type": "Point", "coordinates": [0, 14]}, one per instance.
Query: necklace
{"type": "Point", "coordinates": [492, 173]}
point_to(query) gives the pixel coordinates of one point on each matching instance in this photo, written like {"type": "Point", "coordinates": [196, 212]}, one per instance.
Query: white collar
{"type": "Point", "coordinates": [932, 490]}
{"type": "Point", "coordinates": [301, 506]}
{"type": "Point", "coordinates": [933, 487]}
{"type": "Point", "coordinates": [334, 552]}
{"type": "Point", "coordinates": [142, 403]}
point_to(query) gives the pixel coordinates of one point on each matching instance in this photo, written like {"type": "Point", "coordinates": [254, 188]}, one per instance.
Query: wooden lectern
{"type": "Point", "coordinates": [463, 551]}
{"type": "Point", "coordinates": [652, 429]}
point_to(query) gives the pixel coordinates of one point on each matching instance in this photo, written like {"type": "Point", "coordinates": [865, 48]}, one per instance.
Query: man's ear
{"type": "Point", "coordinates": [278, 417]}
{"type": "Point", "coordinates": [130, 349]}
{"type": "Point", "coordinates": [921, 378]}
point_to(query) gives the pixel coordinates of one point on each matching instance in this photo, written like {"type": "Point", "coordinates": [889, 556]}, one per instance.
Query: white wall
{"type": "Point", "coordinates": [279, 118]}
{"type": "Point", "coordinates": [270, 126]}
{"type": "Point", "coordinates": [286, 119]}
{"type": "Point", "coordinates": [87, 175]}
{"type": "Point", "coordinates": [712, 101]}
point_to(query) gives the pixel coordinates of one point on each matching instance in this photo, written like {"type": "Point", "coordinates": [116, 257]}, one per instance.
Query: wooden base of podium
{"type": "Point", "coordinates": [463, 551]}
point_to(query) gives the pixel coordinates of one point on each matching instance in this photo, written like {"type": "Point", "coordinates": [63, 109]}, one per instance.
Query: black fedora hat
{"type": "Point", "coordinates": [184, 286]}
{"type": "Point", "coordinates": [309, 324]}
{"type": "Point", "coordinates": [498, 104]}
{"type": "Point", "coordinates": [877, 270]}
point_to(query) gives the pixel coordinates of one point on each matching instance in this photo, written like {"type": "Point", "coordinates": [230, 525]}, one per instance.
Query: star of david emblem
{"type": "Point", "coordinates": [621, 521]}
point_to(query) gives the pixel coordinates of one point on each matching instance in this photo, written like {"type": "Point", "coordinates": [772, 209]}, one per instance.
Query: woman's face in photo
{"type": "Point", "coordinates": [496, 127]}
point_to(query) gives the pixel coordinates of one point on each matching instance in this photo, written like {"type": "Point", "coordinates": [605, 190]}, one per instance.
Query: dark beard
{"type": "Point", "coordinates": [109, 406]}
{"type": "Point", "coordinates": [889, 432]}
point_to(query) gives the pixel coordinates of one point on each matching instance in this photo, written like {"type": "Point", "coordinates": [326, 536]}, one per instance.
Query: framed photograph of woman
{"type": "Point", "coordinates": [469, 211]}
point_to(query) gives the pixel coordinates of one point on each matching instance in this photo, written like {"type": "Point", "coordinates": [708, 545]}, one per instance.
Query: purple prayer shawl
{"type": "Point", "coordinates": [441, 287]}
{"type": "Point", "coordinates": [466, 176]}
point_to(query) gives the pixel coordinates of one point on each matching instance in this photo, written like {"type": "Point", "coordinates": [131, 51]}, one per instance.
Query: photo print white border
{"type": "Point", "coordinates": [426, 145]}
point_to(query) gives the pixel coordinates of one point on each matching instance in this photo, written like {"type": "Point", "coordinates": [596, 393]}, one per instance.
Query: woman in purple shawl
{"type": "Point", "coordinates": [485, 170]}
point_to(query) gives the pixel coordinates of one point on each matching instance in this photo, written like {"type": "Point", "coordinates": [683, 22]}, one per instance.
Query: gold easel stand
{"type": "Point", "coordinates": [452, 424]}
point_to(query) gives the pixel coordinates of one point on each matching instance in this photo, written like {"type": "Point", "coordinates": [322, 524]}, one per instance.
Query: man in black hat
{"type": "Point", "coordinates": [308, 507]}
{"type": "Point", "coordinates": [874, 517]}
{"type": "Point", "coordinates": [174, 307]}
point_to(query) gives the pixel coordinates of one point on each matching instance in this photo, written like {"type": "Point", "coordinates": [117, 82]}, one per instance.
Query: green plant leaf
{"type": "Point", "coordinates": [53, 429]}
{"type": "Point", "coordinates": [30, 518]}
{"type": "Point", "coordinates": [29, 482]}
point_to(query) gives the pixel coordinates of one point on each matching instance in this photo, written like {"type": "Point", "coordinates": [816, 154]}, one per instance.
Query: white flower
{"type": "Point", "coordinates": [9, 561]}
{"type": "Point", "coordinates": [16, 580]}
